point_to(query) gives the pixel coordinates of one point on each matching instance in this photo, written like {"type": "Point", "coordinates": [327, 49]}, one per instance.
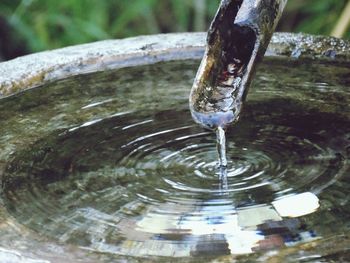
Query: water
{"type": "Point", "coordinates": [221, 145]}
{"type": "Point", "coordinates": [116, 169]}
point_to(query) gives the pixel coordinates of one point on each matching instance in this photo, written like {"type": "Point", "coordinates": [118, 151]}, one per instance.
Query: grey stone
{"type": "Point", "coordinates": [39, 68]}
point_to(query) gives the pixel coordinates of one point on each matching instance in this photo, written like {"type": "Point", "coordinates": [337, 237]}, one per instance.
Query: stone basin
{"type": "Point", "coordinates": [19, 243]}
{"type": "Point", "coordinates": [36, 69]}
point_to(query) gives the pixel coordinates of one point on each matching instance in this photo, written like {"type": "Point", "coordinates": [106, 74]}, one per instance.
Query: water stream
{"type": "Point", "coordinates": [221, 145]}
{"type": "Point", "coordinates": [109, 174]}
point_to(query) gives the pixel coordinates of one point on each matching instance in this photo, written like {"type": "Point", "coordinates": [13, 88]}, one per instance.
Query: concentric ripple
{"type": "Point", "coordinates": [146, 182]}
{"type": "Point", "coordinates": [154, 180]}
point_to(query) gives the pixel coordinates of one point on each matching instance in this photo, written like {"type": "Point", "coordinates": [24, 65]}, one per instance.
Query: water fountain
{"type": "Point", "coordinates": [100, 160]}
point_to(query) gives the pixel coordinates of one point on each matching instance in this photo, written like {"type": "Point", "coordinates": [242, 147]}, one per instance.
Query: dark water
{"type": "Point", "coordinates": [112, 163]}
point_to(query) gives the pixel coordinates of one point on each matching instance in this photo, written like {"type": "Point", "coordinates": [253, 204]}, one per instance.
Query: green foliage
{"type": "Point", "coordinates": [47, 24]}
{"type": "Point", "coordinates": [315, 17]}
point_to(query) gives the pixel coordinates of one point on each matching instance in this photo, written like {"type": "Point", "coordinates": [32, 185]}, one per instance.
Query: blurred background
{"type": "Point", "coordinates": [28, 26]}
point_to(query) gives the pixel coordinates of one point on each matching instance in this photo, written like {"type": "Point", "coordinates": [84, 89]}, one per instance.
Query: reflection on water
{"type": "Point", "coordinates": [296, 205]}
{"type": "Point", "coordinates": [108, 169]}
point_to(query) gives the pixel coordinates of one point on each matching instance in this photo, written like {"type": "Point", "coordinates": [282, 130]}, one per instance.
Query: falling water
{"type": "Point", "coordinates": [221, 146]}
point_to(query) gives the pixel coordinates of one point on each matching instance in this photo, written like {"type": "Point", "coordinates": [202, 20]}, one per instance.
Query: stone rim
{"type": "Point", "coordinates": [39, 68]}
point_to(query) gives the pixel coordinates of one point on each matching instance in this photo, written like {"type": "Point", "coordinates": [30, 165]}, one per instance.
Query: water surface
{"type": "Point", "coordinates": [110, 166]}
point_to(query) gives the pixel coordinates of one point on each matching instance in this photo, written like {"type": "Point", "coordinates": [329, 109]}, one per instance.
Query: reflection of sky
{"type": "Point", "coordinates": [223, 220]}
{"type": "Point", "coordinates": [238, 227]}
{"type": "Point", "coordinates": [296, 205]}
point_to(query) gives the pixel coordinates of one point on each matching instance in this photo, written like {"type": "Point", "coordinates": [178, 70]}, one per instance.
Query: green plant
{"type": "Point", "coordinates": [48, 24]}
{"type": "Point", "coordinates": [315, 17]}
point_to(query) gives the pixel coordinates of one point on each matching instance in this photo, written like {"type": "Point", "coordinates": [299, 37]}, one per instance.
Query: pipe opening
{"type": "Point", "coordinates": [238, 46]}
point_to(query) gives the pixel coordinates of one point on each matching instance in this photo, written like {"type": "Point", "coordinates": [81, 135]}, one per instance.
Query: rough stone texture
{"type": "Point", "coordinates": [309, 46]}
{"type": "Point", "coordinates": [10, 256]}
{"type": "Point", "coordinates": [36, 69]}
